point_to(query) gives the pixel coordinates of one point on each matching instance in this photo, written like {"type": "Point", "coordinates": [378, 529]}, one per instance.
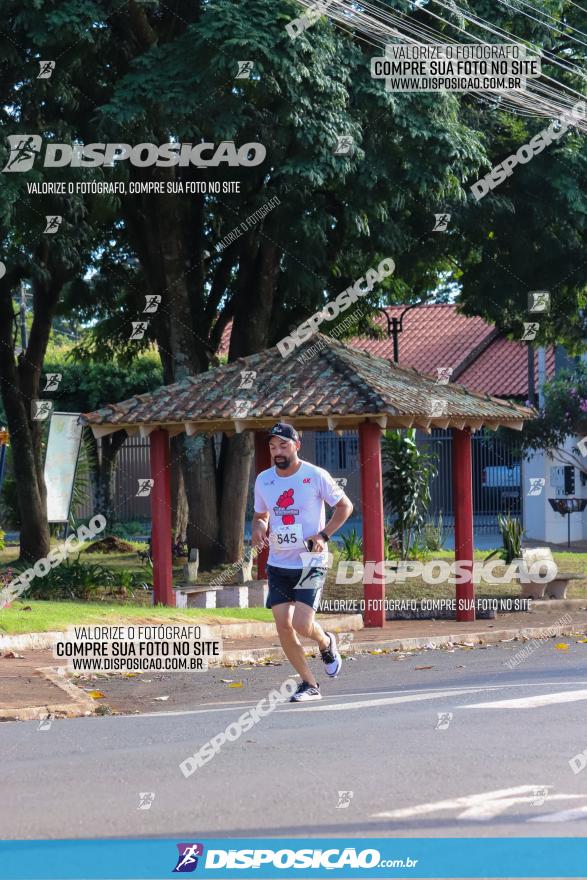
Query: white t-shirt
{"type": "Point", "coordinates": [294, 502]}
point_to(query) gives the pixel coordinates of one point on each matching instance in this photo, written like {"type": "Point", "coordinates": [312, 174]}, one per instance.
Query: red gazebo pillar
{"type": "Point", "coordinates": [161, 518]}
{"type": "Point", "coordinates": [262, 462]}
{"type": "Point", "coordinates": [462, 492]}
{"type": "Point", "coordinates": [372, 511]}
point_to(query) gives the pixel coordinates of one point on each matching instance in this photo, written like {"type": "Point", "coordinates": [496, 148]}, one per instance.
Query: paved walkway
{"type": "Point", "coordinates": [30, 686]}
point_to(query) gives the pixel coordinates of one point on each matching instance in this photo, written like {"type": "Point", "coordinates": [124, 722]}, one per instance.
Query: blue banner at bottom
{"type": "Point", "coordinates": [258, 858]}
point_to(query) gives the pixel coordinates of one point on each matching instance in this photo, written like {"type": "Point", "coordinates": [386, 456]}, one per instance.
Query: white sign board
{"type": "Point", "coordinates": [63, 445]}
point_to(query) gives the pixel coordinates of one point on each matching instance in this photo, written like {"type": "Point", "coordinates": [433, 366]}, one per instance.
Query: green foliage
{"type": "Point", "coordinates": [88, 385]}
{"type": "Point", "coordinates": [564, 413]}
{"type": "Point", "coordinates": [432, 534]}
{"type": "Point", "coordinates": [352, 546]}
{"type": "Point", "coordinates": [511, 531]}
{"type": "Point", "coordinates": [74, 579]}
{"type": "Point", "coordinates": [407, 472]}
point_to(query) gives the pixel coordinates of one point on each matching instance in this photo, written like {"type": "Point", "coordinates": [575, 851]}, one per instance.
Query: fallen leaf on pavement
{"type": "Point", "coordinates": [562, 646]}
{"type": "Point", "coordinates": [96, 695]}
{"type": "Point", "coordinates": [423, 667]}
{"type": "Point", "coordinates": [236, 684]}
{"type": "Point", "coordinates": [162, 699]}
{"type": "Point", "coordinates": [12, 655]}
{"type": "Point", "coordinates": [376, 651]}
{"type": "Point", "coordinates": [226, 680]}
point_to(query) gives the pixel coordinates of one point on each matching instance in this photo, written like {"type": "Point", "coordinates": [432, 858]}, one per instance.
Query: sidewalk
{"type": "Point", "coordinates": [32, 685]}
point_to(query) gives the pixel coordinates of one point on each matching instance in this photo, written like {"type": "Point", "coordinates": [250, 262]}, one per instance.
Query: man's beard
{"type": "Point", "coordinates": [283, 465]}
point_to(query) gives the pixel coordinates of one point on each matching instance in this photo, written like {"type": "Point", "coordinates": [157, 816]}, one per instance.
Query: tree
{"type": "Point", "coordinates": [407, 472]}
{"type": "Point", "coordinates": [563, 415]}
{"type": "Point", "coordinates": [337, 214]}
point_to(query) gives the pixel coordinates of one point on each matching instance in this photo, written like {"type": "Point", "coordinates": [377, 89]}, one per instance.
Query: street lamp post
{"type": "Point", "coordinates": [395, 327]}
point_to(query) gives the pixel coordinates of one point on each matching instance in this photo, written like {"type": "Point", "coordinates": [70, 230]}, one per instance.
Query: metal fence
{"type": "Point", "coordinates": [496, 474]}
{"type": "Point", "coordinates": [496, 477]}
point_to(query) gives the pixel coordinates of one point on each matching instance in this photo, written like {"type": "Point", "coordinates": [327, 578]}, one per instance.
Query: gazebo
{"type": "Point", "coordinates": [324, 385]}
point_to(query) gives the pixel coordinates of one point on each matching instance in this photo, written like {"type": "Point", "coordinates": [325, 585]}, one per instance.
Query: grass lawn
{"type": "Point", "coordinates": [44, 616]}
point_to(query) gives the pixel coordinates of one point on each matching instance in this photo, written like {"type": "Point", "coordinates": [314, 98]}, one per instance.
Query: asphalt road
{"type": "Point", "coordinates": [494, 768]}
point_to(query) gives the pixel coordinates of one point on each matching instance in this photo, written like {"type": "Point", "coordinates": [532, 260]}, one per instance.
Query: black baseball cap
{"type": "Point", "coordinates": [281, 429]}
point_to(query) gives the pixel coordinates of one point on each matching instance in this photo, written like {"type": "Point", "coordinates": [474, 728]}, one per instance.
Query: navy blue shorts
{"type": "Point", "coordinates": [283, 581]}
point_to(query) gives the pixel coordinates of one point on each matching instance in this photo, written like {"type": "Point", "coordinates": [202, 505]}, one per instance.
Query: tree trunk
{"type": "Point", "coordinates": [250, 332]}
{"type": "Point", "coordinates": [179, 502]}
{"type": "Point", "coordinates": [110, 446]}
{"type": "Point", "coordinates": [19, 386]}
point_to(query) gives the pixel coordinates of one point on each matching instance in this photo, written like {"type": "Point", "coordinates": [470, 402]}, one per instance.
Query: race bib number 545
{"type": "Point", "coordinates": [287, 537]}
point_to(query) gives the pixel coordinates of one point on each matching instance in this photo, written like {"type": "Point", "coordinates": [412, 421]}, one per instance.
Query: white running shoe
{"type": "Point", "coordinates": [305, 693]}
{"type": "Point", "coordinates": [331, 658]}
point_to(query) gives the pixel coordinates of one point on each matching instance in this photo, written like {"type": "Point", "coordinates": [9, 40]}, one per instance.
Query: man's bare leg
{"type": "Point", "coordinates": [284, 615]}
{"type": "Point", "coordinates": [304, 623]}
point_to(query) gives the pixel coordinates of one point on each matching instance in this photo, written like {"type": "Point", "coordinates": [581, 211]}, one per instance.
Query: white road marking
{"type": "Point", "coordinates": [242, 705]}
{"type": "Point", "coordinates": [563, 815]}
{"type": "Point", "coordinates": [531, 702]}
{"type": "Point", "coordinates": [477, 807]}
{"type": "Point", "coordinates": [369, 704]}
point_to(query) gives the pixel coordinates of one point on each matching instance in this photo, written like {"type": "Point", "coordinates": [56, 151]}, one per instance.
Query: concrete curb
{"type": "Point", "coordinates": [249, 629]}
{"type": "Point", "coordinates": [79, 705]}
{"type": "Point", "coordinates": [350, 646]}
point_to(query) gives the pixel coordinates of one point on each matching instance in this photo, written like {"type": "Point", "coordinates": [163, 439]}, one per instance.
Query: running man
{"type": "Point", "coordinates": [289, 498]}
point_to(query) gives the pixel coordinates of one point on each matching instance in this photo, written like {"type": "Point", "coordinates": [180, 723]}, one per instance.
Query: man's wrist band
{"type": "Point", "coordinates": [325, 536]}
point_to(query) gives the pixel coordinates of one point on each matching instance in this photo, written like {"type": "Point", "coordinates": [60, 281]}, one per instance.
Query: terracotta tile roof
{"type": "Point", "coordinates": [502, 369]}
{"type": "Point", "coordinates": [437, 335]}
{"type": "Point", "coordinates": [337, 384]}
